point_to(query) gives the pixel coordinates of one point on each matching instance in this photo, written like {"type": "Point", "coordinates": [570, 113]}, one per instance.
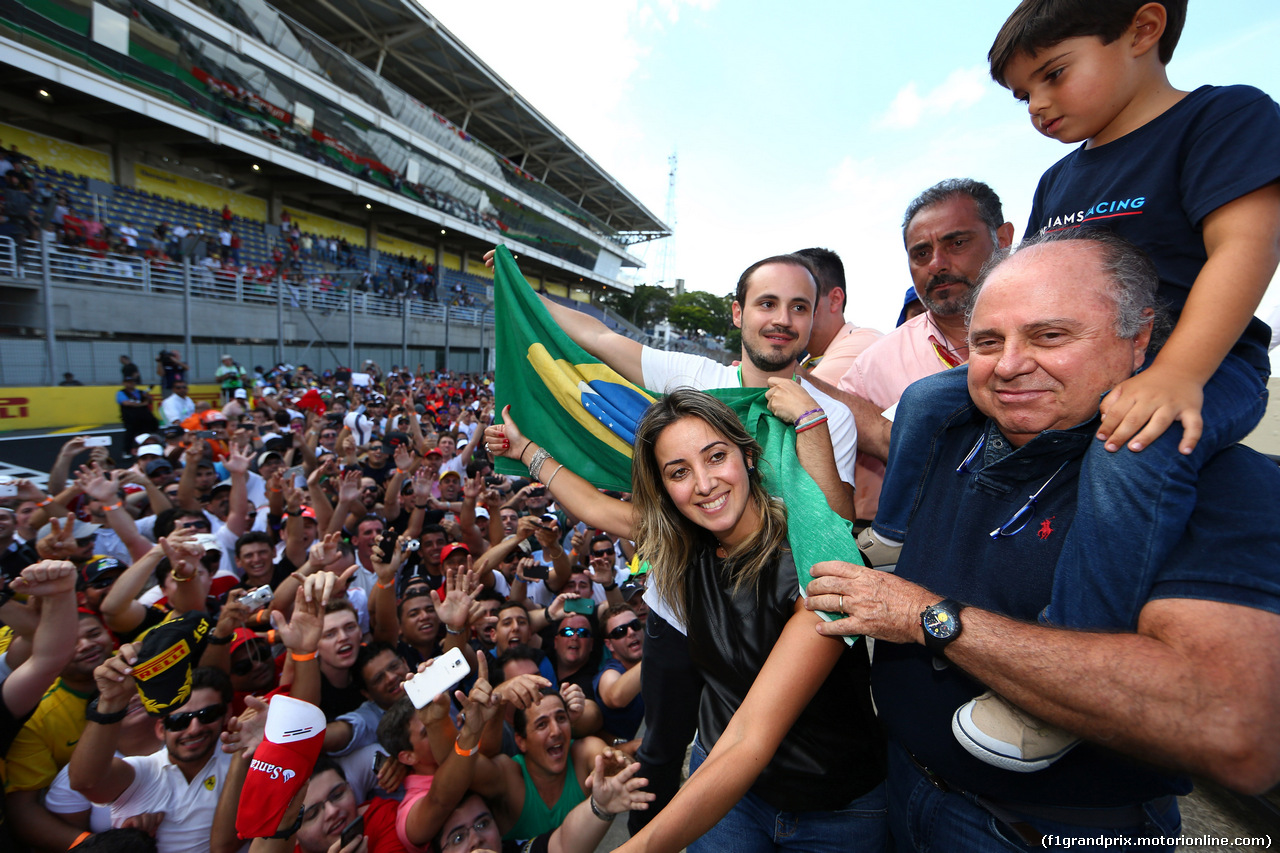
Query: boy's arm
{"type": "Point", "coordinates": [1242, 238]}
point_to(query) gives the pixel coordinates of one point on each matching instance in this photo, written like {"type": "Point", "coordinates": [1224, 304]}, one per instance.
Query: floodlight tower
{"type": "Point", "coordinates": [669, 244]}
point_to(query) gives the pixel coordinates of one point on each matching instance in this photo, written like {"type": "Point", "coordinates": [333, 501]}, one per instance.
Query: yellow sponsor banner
{"type": "Point", "coordinates": [169, 185]}
{"type": "Point", "coordinates": [52, 408]}
{"type": "Point", "coordinates": [478, 268]}
{"type": "Point", "coordinates": [58, 153]}
{"type": "Point", "coordinates": [323, 226]}
{"type": "Point", "coordinates": [396, 246]}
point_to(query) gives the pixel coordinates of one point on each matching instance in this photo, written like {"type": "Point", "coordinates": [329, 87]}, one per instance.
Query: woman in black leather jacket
{"type": "Point", "coordinates": [795, 755]}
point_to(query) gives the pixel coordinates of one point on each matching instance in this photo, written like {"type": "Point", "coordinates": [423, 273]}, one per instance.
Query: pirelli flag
{"type": "Point", "coordinates": [560, 394]}
{"type": "Point", "coordinates": [169, 652]}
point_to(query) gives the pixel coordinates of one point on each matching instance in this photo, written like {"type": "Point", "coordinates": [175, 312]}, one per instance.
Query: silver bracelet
{"type": "Point", "coordinates": [535, 464]}
{"type": "Point", "coordinates": [599, 812]}
{"type": "Point", "coordinates": [553, 475]}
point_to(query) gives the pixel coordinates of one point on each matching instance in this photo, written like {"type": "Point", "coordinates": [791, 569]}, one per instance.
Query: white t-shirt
{"type": "Point", "coordinates": [666, 371]}
{"type": "Point", "coordinates": [62, 799]}
{"type": "Point", "coordinates": [159, 786]}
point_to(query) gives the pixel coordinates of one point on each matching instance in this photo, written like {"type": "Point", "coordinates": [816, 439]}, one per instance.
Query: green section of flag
{"type": "Point", "coordinates": [540, 372]}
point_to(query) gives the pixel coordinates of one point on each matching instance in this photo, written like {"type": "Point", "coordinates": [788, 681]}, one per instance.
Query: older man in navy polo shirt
{"type": "Point", "coordinates": [1192, 689]}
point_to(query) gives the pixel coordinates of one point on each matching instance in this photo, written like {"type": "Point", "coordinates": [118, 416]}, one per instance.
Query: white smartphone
{"type": "Point", "coordinates": [97, 441]}
{"type": "Point", "coordinates": [448, 669]}
{"type": "Point", "coordinates": [257, 599]}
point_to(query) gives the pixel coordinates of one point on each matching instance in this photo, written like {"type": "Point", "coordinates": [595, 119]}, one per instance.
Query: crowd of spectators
{"type": "Point", "coordinates": [35, 208]}
{"type": "Point", "coordinates": [365, 505]}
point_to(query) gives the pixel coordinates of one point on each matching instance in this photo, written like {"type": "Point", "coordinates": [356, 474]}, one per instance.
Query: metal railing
{"type": "Point", "coordinates": [322, 292]}
{"type": "Point", "coordinates": [8, 256]}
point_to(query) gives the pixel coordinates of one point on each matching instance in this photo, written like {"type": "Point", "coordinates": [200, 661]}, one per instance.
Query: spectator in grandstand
{"type": "Point", "coordinates": [69, 379]}
{"type": "Point", "coordinates": [183, 780]}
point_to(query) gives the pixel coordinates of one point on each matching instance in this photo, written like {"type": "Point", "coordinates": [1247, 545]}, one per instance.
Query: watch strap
{"type": "Point", "coordinates": [93, 715]}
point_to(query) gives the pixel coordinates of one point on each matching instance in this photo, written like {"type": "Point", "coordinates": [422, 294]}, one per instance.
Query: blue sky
{"type": "Point", "coordinates": [810, 126]}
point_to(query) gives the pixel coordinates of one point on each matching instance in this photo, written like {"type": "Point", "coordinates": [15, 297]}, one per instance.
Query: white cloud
{"type": "Point", "coordinates": [963, 88]}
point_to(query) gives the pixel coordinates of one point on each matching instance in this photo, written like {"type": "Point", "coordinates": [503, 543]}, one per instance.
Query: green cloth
{"type": "Point", "coordinates": [553, 385]}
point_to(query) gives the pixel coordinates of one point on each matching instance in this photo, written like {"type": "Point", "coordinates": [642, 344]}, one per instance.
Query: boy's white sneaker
{"type": "Point", "coordinates": [1003, 735]}
{"type": "Point", "coordinates": [877, 553]}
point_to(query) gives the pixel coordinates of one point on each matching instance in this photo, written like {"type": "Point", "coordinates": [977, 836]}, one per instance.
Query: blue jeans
{"type": "Point", "coordinates": [924, 818]}
{"type": "Point", "coordinates": [753, 826]}
{"type": "Point", "coordinates": [1133, 507]}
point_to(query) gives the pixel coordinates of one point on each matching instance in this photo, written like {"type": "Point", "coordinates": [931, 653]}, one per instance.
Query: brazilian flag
{"type": "Point", "coordinates": [585, 414]}
{"type": "Point", "coordinates": [568, 401]}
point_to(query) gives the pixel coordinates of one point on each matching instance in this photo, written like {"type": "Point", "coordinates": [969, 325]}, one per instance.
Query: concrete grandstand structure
{"type": "Point", "coordinates": [363, 121]}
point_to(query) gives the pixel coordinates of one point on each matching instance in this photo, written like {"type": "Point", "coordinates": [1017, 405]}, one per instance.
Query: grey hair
{"type": "Point", "coordinates": [1131, 274]}
{"type": "Point", "coordinates": [985, 198]}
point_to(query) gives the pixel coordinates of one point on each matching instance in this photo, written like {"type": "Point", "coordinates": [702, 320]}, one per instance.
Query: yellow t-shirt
{"type": "Point", "coordinates": [45, 744]}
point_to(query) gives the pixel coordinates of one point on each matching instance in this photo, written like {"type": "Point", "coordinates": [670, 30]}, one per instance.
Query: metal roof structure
{"type": "Point", "coordinates": [405, 44]}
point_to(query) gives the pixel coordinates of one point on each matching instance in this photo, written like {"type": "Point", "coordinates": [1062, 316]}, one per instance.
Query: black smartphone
{"type": "Point", "coordinates": [379, 759]}
{"type": "Point", "coordinates": [538, 572]}
{"type": "Point", "coordinates": [354, 830]}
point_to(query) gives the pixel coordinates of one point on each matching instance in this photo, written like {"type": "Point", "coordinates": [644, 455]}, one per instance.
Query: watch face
{"type": "Point", "coordinates": [939, 623]}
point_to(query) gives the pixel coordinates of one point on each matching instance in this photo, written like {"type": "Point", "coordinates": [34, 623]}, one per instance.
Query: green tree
{"type": "Point", "coordinates": [647, 305]}
{"type": "Point", "coordinates": [697, 312]}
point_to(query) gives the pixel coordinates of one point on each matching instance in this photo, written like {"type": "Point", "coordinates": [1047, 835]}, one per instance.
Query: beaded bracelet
{"type": "Point", "coordinates": [811, 425]}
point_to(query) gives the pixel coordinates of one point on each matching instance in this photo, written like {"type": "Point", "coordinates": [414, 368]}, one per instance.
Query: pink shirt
{"type": "Point", "coordinates": [416, 786]}
{"type": "Point", "coordinates": [846, 346]}
{"type": "Point", "coordinates": [881, 374]}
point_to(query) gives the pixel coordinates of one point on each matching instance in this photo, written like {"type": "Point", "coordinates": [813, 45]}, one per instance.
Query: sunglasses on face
{"type": "Point", "coordinates": [608, 553]}
{"type": "Point", "coordinates": [101, 582]}
{"type": "Point", "coordinates": [180, 722]}
{"type": "Point", "coordinates": [621, 631]}
{"type": "Point", "coordinates": [86, 541]}
{"type": "Point", "coordinates": [574, 632]}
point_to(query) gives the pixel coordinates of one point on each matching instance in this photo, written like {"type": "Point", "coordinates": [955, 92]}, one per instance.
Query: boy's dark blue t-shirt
{"type": "Point", "coordinates": [1155, 185]}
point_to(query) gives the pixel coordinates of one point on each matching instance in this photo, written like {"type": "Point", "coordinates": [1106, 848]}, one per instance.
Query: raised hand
{"type": "Point", "coordinates": [59, 544]}
{"type": "Point", "coordinates": [247, 730]}
{"type": "Point", "coordinates": [46, 578]}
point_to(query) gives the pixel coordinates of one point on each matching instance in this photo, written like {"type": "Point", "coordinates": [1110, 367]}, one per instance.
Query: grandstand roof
{"type": "Point", "coordinates": [411, 48]}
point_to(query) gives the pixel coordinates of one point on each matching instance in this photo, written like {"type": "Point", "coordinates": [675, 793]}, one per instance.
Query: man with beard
{"type": "Point", "coordinates": [773, 306]}
{"type": "Point", "coordinates": [183, 780]}
{"type": "Point", "coordinates": [949, 230]}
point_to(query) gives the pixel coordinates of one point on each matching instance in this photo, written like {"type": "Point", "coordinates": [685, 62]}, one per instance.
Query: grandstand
{"type": "Point", "coordinates": [367, 157]}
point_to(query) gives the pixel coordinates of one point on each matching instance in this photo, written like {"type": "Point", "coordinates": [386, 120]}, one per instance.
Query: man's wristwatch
{"type": "Point", "coordinates": [93, 715]}
{"type": "Point", "coordinates": [941, 624]}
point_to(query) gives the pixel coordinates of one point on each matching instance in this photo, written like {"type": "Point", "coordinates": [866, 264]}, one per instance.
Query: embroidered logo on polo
{"type": "Point", "coordinates": [1046, 527]}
